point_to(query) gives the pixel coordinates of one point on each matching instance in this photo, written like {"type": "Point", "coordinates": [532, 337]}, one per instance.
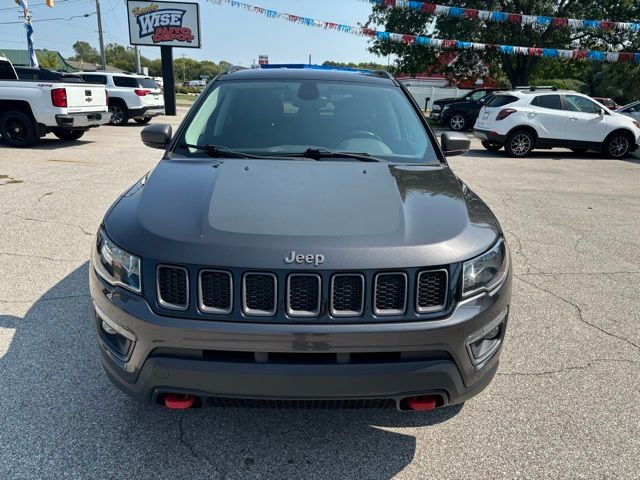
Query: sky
{"type": "Point", "coordinates": [228, 33]}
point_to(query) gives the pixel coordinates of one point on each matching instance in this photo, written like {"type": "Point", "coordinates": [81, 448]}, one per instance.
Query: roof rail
{"type": "Point", "coordinates": [234, 68]}
{"type": "Point", "coordinates": [533, 88]}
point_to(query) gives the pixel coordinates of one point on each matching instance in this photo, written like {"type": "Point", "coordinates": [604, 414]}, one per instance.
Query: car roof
{"type": "Point", "coordinates": [525, 93]}
{"type": "Point", "coordinates": [305, 73]}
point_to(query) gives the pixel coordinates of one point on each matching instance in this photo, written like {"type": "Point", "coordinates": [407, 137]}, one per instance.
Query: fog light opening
{"type": "Point", "coordinates": [108, 329]}
{"type": "Point", "coordinates": [484, 343]}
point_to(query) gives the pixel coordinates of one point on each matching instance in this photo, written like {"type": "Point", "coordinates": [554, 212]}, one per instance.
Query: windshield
{"type": "Point", "coordinates": [290, 116]}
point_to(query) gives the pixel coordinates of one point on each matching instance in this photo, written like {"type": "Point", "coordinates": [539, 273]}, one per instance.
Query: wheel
{"type": "Point", "coordinates": [458, 122]}
{"type": "Point", "coordinates": [142, 121]}
{"type": "Point", "coordinates": [68, 135]}
{"type": "Point", "coordinates": [18, 129]}
{"type": "Point", "coordinates": [492, 147]}
{"type": "Point", "coordinates": [579, 150]}
{"type": "Point", "coordinates": [617, 146]}
{"type": "Point", "coordinates": [119, 115]}
{"type": "Point", "coordinates": [519, 144]}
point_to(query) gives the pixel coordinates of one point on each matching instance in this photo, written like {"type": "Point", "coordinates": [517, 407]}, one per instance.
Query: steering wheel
{"type": "Point", "coordinates": [360, 134]}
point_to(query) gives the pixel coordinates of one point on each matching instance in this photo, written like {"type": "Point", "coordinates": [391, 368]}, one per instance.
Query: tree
{"type": "Point", "coordinates": [518, 68]}
{"type": "Point", "coordinates": [85, 53]}
{"type": "Point", "coordinates": [48, 59]}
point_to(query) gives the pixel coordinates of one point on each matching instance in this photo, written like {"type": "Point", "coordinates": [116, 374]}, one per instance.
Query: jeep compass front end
{"type": "Point", "coordinates": [302, 243]}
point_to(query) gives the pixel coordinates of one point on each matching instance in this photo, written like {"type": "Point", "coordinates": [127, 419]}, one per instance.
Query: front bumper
{"type": "Point", "coordinates": [211, 359]}
{"type": "Point", "coordinates": [435, 116]}
{"type": "Point", "coordinates": [84, 120]}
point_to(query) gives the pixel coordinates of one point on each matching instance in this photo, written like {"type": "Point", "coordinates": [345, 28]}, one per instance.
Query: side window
{"type": "Point", "coordinates": [551, 102]}
{"type": "Point", "coordinates": [6, 71]}
{"type": "Point", "coordinates": [576, 103]}
{"type": "Point", "coordinates": [129, 82]}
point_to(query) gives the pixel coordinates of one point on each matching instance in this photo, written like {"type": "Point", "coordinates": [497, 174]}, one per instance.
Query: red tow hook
{"type": "Point", "coordinates": [422, 403]}
{"type": "Point", "coordinates": [176, 401]}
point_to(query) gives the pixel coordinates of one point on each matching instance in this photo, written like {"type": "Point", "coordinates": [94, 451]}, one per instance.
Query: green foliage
{"type": "Point", "coordinates": [361, 65]}
{"type": "Point", "coordinates": [48, 59]}
{"type": "Point", "coordinates": [85, 53]}
{"type": "Point", "coordinates": [518, 68]}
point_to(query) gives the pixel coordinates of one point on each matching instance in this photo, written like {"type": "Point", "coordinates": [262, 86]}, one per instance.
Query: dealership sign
{"type": "Point", "coordinates": [168, 24]}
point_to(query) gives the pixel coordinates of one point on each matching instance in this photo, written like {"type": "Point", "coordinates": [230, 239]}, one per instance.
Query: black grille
{"type": "Point", "coordinates": [303, 295]}
{"type": "Point", "coordinates": [431, 291]}
{"type": "Point", "coordinates": [259, 294]}
{"type": "Point", "coordinates": [215, 291]}
{"type": "Point", "coordinates": [390, 293]}
{"type": "Point", "coordinates": [347, 295]}
{"type": "Point", "coordinates": [173, 287]}
{"type": "Point", "coordinates": [301, 404]}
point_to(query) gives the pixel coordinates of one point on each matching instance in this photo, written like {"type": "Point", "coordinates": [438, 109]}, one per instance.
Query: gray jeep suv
{"type": "Point", "coordinates": [302, 243]}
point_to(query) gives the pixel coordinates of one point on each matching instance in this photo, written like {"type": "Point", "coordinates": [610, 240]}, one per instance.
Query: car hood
{"type": "Point", "coordinates": [446, 101]}
{"type": "Point", "coordinates": [240, 213]}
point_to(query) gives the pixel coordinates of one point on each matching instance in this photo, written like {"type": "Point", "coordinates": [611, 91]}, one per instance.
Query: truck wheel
{"type": "Point", "coordinates": [68, 135]}
{"type": "Point", "coordinates": [18, 129]}
{"type": "Point", "coordinates": [492, 147]}
{"type": "Point", "coordinates": [617, 146]}
{"type": "Point", "coordinates": [458, 122]}
{"type": "Point", "coordinates": [142, 121]}
{"type": "Point", "coordinates": [119, 114]}
{"type": "Point", "coordinates": [519, 143]}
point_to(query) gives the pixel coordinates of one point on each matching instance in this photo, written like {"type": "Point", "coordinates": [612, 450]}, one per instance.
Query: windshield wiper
{"type": "Point", "coordinates": [322, 153]}
{"type": "Point", "coordinates": [218, 151]}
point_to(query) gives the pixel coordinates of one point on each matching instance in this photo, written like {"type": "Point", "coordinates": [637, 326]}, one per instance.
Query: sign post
{"type": "Point", "coordinates": [165, 25]}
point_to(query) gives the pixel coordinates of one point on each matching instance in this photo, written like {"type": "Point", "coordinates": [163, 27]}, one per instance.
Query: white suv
{"type": "Point", "coordinates": [521, 120]}
{"type": "Point", "coordinates": [130, 96]}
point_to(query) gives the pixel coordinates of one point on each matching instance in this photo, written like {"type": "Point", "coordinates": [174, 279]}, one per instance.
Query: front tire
{"type": "Point", "coordinates": [492, 147]}
{"type": "Point", "coordinates": [458, 122]}
{"type": "Point", "coordinates": [68, 135]}
{"type": "Point", "coordinates": [119, 114]}
{"type": "Point", "coordinates": [18, 129]}
{"type": "Point", "coordinates": [520, 144]}
{"type": "Point", "coordinates": [617, 146]}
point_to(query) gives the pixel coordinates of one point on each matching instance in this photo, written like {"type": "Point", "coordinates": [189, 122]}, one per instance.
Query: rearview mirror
{"type": "Point", "coordinates": [454, 143]}
{"type": "Point", "coordinates": [156, 136]}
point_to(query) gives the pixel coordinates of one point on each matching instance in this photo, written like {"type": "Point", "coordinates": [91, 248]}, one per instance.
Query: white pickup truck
{"type": "Point", "coordinates": [31, 108]}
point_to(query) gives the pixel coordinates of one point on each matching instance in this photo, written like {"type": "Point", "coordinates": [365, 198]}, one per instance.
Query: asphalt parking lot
{"type": "Point", "coordinates": [565, 402]}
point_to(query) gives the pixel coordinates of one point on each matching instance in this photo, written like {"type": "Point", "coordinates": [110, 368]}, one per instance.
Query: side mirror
{"type": "Point", "coordinates": [601, 112]}
{"type": "Point", "coordinates": [454, 143]}
{"type": "Point", "coordinates": [156, 136]}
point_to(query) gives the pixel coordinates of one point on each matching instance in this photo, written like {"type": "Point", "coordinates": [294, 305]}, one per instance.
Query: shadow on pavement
{"type": "Point", "coordinates": [49, 143]}
{"type": "Point", "coordinates": [548, 155]}
{"type": "Point", "coordinates": [62, 418]}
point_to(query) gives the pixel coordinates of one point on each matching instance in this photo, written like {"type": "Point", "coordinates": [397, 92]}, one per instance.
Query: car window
{"type": "Point", "coordinates": [148, 83]}
{"type": "Point", "coordinates": [289, 116]}
{"type": "Point", "coordinates": [552, 102]}
{"type": "Point", "coordinates": [477, 95]}
{"type": "Point", "coordinates": [98, 79]}
{"type": "Point", "coordinates": [634, 107]}
{"type": "Point", "coordinates": [6, 71]}
{"type": "Point", "coordinates": [576, 103]}
{"type": "Point", "coordinates": [500, 100]}
{"type": "Point", "coordinates": [130, 82]}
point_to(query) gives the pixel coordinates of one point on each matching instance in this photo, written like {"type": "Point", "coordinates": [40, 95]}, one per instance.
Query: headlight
{"type": "Point", "coordinates": [637, 125]}
{"type": "Point", "coordinates": [445, 108]}
{"type": "Point", "coordinates": [486, 271]}
{"type": "Point", "coordinates": [115, 265]}
{"type": "Point", "coordinates": [436, 107]}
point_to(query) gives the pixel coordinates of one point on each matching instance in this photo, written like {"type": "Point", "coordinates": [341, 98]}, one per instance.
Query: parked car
{"type": "Point", "coordinates": [462, 115]}
{"type": "Point", "coordinates": [462, 122]}
{"type": "Point", "coordinates": [522, 120]}
{"type": "Point", "coordinates": [130, 96]}
{"type": "Point", "coordinates": [610, 103]}
{"type": "Point", "coordinates": [317, 256]}
{"type": "Point", "coordinates": [631, 110]}
{"type": "Point", "coordinates": [31, 108]}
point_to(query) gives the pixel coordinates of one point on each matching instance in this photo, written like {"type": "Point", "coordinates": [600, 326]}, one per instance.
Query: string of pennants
{"type": "Point", "coordinates": [436, 42]}
{"type": "Point", "coordinates": [503, 17]}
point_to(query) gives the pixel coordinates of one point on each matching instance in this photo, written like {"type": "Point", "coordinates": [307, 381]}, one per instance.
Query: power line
{"type": "Point", "coordinates": [67, 19]}
{"type": "Point", "coordinates": [36, 5]}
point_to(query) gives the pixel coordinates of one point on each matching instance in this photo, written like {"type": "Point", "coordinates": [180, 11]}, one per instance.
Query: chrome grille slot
{"type": "Point", "coordinates": [303, 295]}
{"type": "Point", "coordinates": [390, 293]}
{"type": "Point", "coordinates": [347, 295]}
{"type": "Point", "coordinates": [172, 287]}
{"type": "Point", "coordinates": [259, 294]}
{"type": "Point", "coordinates": [215, 294]}
{"type": "Point", "coordinates": [431, 291]}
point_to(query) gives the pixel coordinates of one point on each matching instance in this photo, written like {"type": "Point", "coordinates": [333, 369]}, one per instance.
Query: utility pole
{"type": "Point", "coordinates": [103, 58]}
{"type": "Point", "coordinates": [138, 67]}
